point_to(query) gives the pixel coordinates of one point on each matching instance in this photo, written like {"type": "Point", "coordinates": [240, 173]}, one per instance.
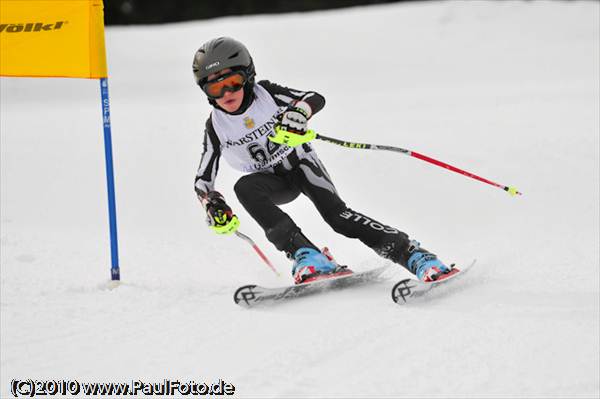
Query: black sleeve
{"type": "Point", "coordinates": [285, 96]}
{"type": "Point", "coordinates": [209, 164]}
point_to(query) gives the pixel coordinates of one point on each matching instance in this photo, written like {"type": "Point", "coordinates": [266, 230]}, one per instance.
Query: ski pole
{"type": "Point", "coordinates": [511, 190]}
{"type": "Point", "coordinates": [258, 251]}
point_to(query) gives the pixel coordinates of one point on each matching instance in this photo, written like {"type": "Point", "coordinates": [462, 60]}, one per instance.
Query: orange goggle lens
{"type": "Point", "coordinates": [218, 87]}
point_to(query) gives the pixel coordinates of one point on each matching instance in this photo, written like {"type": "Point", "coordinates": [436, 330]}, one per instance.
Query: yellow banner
{"type": "Point", "coordinates": [52, 38]}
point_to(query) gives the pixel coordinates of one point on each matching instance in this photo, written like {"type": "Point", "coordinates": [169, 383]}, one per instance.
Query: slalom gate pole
{"type": "Point", "coordinates": [110, 182]}
{"type": "Point", "coordinates": [258, 251]}
{"type": "Point", "coordinates": [511, 190]}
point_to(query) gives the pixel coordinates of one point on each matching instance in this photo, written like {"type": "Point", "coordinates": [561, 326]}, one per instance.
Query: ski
{"type": "Point", "coordinates": [407, 290]}
{"type": "Point", "coordinates": [251, 295]}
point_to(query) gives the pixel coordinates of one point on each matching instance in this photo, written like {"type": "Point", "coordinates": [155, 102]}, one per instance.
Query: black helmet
{"type": "Point", "coordinates": [221, 53]}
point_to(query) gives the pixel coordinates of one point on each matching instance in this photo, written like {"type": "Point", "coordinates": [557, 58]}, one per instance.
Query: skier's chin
{"type": "Point", "coordinates": [231, 103]}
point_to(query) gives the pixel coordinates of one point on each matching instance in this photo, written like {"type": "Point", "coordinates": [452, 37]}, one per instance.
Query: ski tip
{"type": "Point", "coordinates": [245, 296]}
{"type": "Point", "coordinates": [402, 290]}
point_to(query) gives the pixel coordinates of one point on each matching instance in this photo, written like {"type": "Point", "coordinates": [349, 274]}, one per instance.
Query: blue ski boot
{"type": "Point", "coordinates": [310, 263]}
{"type": "Point", "coordinates": [426, 265]}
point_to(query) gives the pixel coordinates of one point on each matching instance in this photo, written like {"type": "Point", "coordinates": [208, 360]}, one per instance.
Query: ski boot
{"type": "Point", "coordinates": [340, 270]}
{"type": "Point", "coordinates": [311, 265]}
{"type": "Point", "coordinates": [427, 266]}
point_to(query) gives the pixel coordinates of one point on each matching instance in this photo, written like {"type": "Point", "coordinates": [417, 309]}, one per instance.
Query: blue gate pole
{"type": "Point", "coordinates": [110, 181]}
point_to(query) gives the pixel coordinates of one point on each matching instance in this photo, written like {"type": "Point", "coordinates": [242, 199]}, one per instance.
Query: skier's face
{"type": "Point", "coordinates": [232, 100]}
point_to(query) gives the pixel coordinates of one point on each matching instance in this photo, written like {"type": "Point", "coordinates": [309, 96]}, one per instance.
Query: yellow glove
{"type": "Point", "coordinates": [219, 215]}
{"type": "Point", "coordinates": [291, 128]}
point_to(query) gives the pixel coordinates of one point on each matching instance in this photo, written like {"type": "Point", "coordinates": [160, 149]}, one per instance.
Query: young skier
{"type": "Point", "coordinates": [261, 129]}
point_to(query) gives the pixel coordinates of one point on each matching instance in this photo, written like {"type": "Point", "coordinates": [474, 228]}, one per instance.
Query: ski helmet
{"type": "Point", "coordinates": [221, 53]}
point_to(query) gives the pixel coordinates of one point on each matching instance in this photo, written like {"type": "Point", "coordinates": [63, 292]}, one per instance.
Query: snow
{"type": "Point", "coordinates": [507, 90]}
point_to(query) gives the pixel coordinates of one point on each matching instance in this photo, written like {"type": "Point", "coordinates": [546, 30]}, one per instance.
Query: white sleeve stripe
{"type": "Point", "coordinates": [205, 160]}
{"type": "Point", "coordinates": [284, 98]}
{"type": "Point", "coordinates": [309, 95]}
{"type": "Point", "coordinates": [209, 160]}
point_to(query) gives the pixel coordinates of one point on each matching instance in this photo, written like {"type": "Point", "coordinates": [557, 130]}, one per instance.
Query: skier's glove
{"type": "Point", "coordinates": [219, 215]}
{"type": "Point", "coordinates": [291, 129]}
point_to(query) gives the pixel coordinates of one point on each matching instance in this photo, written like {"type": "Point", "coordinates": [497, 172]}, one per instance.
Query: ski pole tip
{"type": "Point", "coordinates": [512, 191]}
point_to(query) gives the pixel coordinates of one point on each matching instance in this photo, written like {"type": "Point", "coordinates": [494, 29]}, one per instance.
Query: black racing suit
{"type": "Point", "coordinates": [301, 172]}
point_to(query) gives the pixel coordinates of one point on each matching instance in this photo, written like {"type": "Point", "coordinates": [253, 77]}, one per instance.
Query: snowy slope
{"type": "Point", "coordinates": [508, 90]}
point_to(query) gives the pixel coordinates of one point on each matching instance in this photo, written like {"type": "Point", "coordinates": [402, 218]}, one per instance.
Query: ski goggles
{"type": "Point", "coordinates": [231, 81]}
